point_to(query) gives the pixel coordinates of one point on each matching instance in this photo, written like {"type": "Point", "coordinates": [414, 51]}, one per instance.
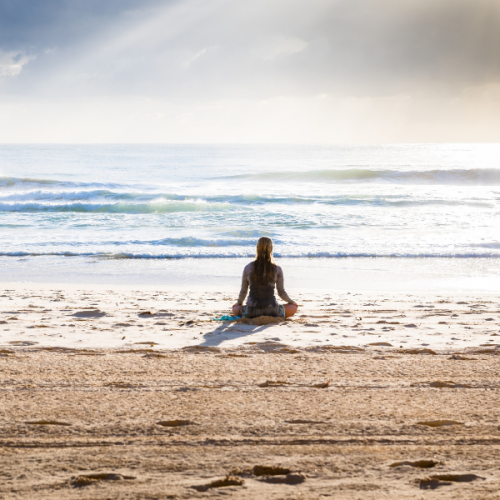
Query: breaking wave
{"type": "Point", "coordinates": [468, 177]}
{"type": "Point", "coordinates": [143, 202]}
{"type": "Point", "coordinates": [157, 206]}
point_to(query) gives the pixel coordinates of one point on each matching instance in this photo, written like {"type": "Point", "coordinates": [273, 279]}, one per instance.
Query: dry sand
{"type": "Point", "coordinates": [138, 394]}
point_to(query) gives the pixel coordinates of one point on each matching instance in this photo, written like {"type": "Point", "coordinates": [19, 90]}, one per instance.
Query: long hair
{"type": "Point", "coordinates": [264, 266]}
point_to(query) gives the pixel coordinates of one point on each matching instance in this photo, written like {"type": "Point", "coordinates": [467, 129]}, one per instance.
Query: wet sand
{"type": "Point", "coordinates": [168, 411]}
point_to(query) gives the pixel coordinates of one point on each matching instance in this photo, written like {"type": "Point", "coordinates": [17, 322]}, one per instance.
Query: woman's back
{"type": "Point", "coordinates": [262, 290]}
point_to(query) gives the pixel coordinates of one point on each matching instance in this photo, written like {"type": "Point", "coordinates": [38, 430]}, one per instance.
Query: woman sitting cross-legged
{"type": "Point", "coordinates": [262, 275]}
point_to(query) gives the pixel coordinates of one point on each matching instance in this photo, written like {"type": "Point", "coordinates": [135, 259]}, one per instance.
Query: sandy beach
{"type": "Point", "coordinates": [121, 393]}
{"type": "Point", "coordinates": [108, 317]}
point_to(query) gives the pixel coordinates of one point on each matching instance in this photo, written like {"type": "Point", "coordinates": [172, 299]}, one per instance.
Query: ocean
{"type": "Point", "coordinates": [193, 213]}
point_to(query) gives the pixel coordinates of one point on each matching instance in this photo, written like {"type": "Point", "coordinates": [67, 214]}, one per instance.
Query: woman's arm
{"type": "Point", "coordinates": [280, 286]}
{"type": "Point", "coordinates": [244, 286]}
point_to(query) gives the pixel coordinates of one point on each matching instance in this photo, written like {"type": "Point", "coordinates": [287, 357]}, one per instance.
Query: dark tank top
{"type": "Point", "coordinates": [262, 294]}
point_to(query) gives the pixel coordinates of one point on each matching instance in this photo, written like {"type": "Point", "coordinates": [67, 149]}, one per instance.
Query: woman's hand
{"type": "Point", "coordinates": [236, 309]}
{"type": "Point", "coordinates": [294, 303]}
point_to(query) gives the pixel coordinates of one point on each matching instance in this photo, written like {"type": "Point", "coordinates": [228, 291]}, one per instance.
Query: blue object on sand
{"type": "Point", "coordinates": [227, 318]}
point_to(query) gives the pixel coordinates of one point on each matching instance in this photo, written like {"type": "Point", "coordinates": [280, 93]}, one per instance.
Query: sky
{"type": "Point", "coordinates": [264, 71]}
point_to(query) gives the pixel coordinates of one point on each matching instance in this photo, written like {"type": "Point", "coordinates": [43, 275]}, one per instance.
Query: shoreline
{"type": "Point", "coordinates": [366, 275]}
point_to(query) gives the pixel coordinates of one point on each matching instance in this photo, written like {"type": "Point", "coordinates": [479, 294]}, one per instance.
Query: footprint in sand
{"type": "Point", "coordinates": [85, 480]}
{"type": "Point", "coordinates": [47, 422]}
{"type": "Point", "coordinates": [311, 422]}
{"type": "Point", "coordinates": [321, 385]}
{"type": "Point", "coordinates": [457, 478]}
{"type": "Point", "coordinates": [448, 385]}
{"type": "Point", "coordinates": [175, 423]}
{"type": "Point", "coordinates": [277, 475]}
{"type": "Point", "coordinates": [421, 464]}
{"type": "Point", "coordinates": [439, 423]}
{"type": "Point", "coordinates": [435, 481]}
{"type": "Point", "coordinates": [417, 351]}
{"type": "Point", "coordinates": [457, 357]}
{"type": "Point", "coordinates": [167, 314]}
{"type": "Point", "coordinates": [120, 385]}
{"type": "Point", "coordinates": [266, 470]}
{"type": "Point", "coordinates": [295, 478]}
{"type": "Point", "coordinates": [431, 484]}
{"type": "Point", "coordinates": [93, 313]}
{"type": "Point", "coordinates": [220, 483]}
{"type": "Point", "coordinates": [273, 383]}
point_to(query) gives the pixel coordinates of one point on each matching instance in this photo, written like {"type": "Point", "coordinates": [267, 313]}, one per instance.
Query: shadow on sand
{"type": "Point", "coordinates": [231, 331]}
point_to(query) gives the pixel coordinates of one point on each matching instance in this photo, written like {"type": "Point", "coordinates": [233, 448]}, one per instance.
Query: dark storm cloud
{"type": "Point", "coordinates": [196, 49]}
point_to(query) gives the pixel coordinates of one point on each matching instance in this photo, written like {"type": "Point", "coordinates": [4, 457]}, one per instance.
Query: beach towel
{"type": "Point", "coordinates": [226, 318]}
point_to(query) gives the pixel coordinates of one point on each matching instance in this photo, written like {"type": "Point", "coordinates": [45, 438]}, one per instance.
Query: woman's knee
{"type": "Point", "coordinates": [290, 310]}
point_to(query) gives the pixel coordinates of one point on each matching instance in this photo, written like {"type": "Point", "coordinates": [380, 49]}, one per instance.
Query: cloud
{"type": "Point", "coordinates": [283, 46]}
{"type": "Point", "coordinates": [193, 59]}
{"type": "Point", "coordinates": [198, 49]}
{"type": "Point", "coordinates": [11, 63]}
